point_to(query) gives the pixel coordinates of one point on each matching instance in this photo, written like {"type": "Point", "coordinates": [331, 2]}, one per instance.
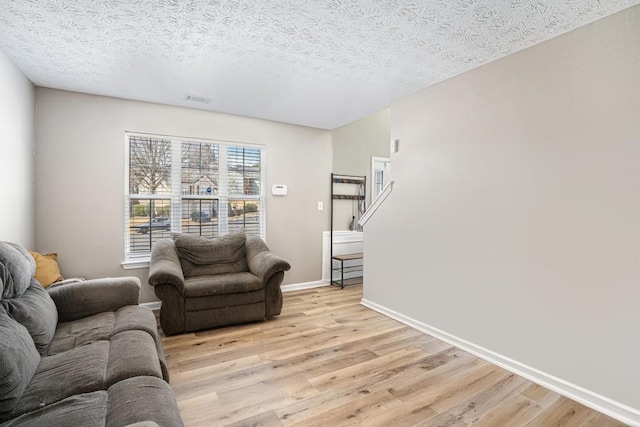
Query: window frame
{"type": "Point", "coordinates": [139, 259]}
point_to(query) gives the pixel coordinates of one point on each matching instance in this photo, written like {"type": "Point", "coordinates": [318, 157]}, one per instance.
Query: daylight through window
{"type": "Point", "coordinates": [205, 188]}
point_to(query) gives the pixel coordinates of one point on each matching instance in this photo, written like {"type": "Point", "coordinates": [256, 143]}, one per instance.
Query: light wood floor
{"type": "Point", "coordinates": [328, 361]}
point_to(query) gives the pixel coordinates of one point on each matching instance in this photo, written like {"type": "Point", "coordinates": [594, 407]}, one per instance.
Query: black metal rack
{"type": "Point", "coordinates": [360, 198]}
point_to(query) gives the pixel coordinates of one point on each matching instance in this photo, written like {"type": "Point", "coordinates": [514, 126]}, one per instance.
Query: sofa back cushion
{"type": "Point", "coordinates": [200, 256]}
{"type": "Point", "coordinates": [19, 360]}
{"type": "Point", "coordinates": [36, 311]}
{"type": "Point", "coordinates": [16, 270]}
{"type": "Point", "coordinates": [22, 296]}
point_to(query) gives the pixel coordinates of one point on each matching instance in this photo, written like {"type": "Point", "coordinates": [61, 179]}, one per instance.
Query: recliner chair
{"type": "Point", "coordinates": [205, 283]}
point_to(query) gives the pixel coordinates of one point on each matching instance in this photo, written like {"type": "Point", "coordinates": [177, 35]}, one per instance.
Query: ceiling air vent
{"type": "Point", "coordinates": [194, 98]}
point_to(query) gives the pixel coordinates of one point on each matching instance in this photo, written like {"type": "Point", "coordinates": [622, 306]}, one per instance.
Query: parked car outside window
{"type": "Point", "coordinates": [155, 224]}
{"type": "Point", "coordinates": [200, 217]}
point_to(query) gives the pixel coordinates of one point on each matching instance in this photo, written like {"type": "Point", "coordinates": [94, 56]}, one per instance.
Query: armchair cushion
{"type": "Point", "coordinates": [200, 256]}
{"type": "Point", "coordinates": [222, 284]}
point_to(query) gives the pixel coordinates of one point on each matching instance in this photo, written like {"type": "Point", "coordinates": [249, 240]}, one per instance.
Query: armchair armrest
{"type": "Point", "coordinates": [165, 267]}
{"type": "Point", "coordinates": [261, 261]}
{"type": "Point", "coordinates": [82, 299]}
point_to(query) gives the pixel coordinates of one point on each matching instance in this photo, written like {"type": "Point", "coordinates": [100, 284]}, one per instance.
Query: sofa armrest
{"type": "Point", "coordinates": [261, 261]}
{"type": "Point", "coordinates": [67, 281]}
{"type": "Point", "coordinates": [82, 299]}
{"type": "Point", "coordinates": [164, 267]}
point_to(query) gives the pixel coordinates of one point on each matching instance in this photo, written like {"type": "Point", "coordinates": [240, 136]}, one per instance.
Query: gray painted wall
{"type": "Point", "coordinates": [80, 175]}
{"type": "Point", "coordinates": [353, 146]}
{"type": "Point", "coordinates": [514, 222]}
{"type": "Point", "coordinates": [17, 136]}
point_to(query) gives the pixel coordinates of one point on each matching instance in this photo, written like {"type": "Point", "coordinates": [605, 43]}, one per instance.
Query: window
{"type": "Point", "coordinates": [380, 169]}
{"type": "Point", "coordinates": [205, 188]}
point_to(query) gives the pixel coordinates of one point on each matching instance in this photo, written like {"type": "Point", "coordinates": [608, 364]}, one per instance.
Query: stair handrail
{"type": "Point", "coordinates": [376, 204]}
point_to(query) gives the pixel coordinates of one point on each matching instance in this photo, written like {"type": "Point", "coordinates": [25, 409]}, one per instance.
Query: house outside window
{"type": "Point", "coordinates": [185, 185]}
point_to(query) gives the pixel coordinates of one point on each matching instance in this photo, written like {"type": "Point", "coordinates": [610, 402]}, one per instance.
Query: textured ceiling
{"type": "Point", "coordinates": [315, 63]}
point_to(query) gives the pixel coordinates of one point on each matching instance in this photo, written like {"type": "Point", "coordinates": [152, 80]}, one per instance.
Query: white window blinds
{"type": "Point", "coordinates": [185, 185]}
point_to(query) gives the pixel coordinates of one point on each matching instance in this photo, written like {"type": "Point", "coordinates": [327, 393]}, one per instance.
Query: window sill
{"type": "Point", "coordinates": [134, 264]}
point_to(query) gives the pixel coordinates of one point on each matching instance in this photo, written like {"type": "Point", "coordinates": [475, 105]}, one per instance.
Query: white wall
{"type": "Point", "coordinates": [514, 222]}
{"type": "Point", "coordinates": [17, 111]}
{"type": "Point", "coordinates": [80, 175]}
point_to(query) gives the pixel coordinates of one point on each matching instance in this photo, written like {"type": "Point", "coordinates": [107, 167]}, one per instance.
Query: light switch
{"type": "Point", "coordinates": [320, 206]}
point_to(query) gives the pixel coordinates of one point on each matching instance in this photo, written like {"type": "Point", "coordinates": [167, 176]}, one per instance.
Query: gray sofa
{"type": "Point", "coordinates": [205, 283]}
{"type": "Point", "coordinates": [80, 354]}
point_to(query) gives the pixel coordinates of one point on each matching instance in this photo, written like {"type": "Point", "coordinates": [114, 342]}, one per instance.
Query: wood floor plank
{"type": "Point", "coordinates": [265, 419]}
{"type": "Point", "coordinates": [348, 413]}
{"type": "Point", "coordinates": [364, 370]}
{"type": "Point", "coordinates": [329, 361]}
{"type": "Point", "coordinates": [323, 341]}
{"type": "Point", "coordinates": [542, 396]}
{"type": "Point", "coordinates": [210, 370]}
{"type": "Point", "coordinates": [408, 338]}
{"type": "Point", "coordinates": [398, 414]}
{"type": "Point", "coordinates": [467, 411]}
{"type": "Point", "coordinates": [564, 412]}
{"type": "Point", "coordinates": [516, 411]}
{"type": "Point", "coordinates": [601, 420]}
{"type": "Point", "coordinates": [270, 378]}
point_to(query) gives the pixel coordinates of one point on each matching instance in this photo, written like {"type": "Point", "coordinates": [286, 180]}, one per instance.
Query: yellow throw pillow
{"type": "Point", "coordinates": [47, 270]}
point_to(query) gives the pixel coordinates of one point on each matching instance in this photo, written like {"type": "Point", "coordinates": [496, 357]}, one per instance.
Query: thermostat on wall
{"type": "Point", "coordinates": [279, 190]}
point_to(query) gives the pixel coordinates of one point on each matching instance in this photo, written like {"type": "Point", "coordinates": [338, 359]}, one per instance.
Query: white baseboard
{"type": "Point", "coordinates": [154, 305]}
{"type": "Point", "coordinates": [305, 285]}
{"type": "Point", "coordinates": [617, 410]}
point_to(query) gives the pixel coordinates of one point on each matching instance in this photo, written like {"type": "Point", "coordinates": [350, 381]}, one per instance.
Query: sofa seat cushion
{"type": "Point", "coordinates": [80, 370]}
{"type": "Point", "coordinates": [89, 409]}
{"type": "Point", "coordinates": [124, 363]}
{"type": "Point", "coordinates": [135, 400]}
{"type": "Point", "coordinates": [91, 367]}
{"type": "Point", "coordinates": [221, 284]}
{"type": "Point", "coordinates": [102, 326]}
{"type": "Point", "coordinates": [70, 335]}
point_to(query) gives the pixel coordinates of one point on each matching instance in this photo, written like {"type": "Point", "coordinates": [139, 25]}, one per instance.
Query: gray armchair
{"type": "Point", "coordinates": [205, 283]}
